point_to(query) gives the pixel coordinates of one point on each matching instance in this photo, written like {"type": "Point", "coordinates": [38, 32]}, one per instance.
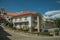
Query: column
{"type": "Point", "coordinates": [38, 24]}
{"type": "Point", "coordinates": [30, 24]}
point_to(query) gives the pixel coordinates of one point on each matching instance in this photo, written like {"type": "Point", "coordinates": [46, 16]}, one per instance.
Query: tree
{"type": "Point", "coordinates": [57, 22]}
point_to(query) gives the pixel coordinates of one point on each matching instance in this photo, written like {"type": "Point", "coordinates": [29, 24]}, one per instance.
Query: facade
{"type": "Point", "coordinates": [27, 19]}
{"type": "Point", "coordinates": [47, 23]}
{"type": "Point", "coordinates": [24, 19]}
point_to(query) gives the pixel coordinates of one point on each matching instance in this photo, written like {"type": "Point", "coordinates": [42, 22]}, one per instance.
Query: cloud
{"type": "Point", "coordinates": [56, 16]}
{"type": "Point", "coordinates": [58, 1]}
{"type": "Point", "coordinates": [53, 14]}
{"type": "Point", "coordinates": [19, 12]}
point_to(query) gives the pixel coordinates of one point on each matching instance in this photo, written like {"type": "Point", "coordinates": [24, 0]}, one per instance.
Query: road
{"type": "Point", "coordinates": [16, 35]}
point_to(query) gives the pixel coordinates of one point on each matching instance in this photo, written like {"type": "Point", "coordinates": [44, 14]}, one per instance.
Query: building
{"type": "Point", "coordinates": [47, 23]}
{"type": "Point", "coordinates": [23, 19]}
{"type": "Point", "coordinates": [27, 19]}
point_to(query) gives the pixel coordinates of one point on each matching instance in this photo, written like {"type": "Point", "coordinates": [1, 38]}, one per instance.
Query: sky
{"type": "Point", "coordinates": [52, 14]}
{"type": "Point", "coordinates": [41, 6]}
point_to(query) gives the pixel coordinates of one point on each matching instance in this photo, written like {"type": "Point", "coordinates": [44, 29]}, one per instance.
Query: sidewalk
{"type": "Point", "coordinates": [16, 35]}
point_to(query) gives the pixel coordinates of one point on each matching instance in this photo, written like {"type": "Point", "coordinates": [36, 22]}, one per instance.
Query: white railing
{"type": "Point", "coordinates": [21, 21]}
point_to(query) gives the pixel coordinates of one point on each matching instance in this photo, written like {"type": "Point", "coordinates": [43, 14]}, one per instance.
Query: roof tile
{"type": "Point", "coordinates": [20, 14]}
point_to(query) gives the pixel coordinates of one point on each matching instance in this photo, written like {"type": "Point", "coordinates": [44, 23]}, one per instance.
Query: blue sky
{"type": "Point", "coordinates": [40, 6]}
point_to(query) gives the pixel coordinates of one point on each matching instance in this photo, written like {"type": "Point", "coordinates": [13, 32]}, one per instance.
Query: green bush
{"type": "Point", "coordinates": [53, 31]}
{"type": "Point", "coordinates": [14, 28]}
{"type": "Point", "coordinates": [44, 33]}
{"type": "Point", "coordinates": [25, 28]}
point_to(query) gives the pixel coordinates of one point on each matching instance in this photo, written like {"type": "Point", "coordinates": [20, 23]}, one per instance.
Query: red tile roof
{"type": "Point", "coordinates": [20, 14]}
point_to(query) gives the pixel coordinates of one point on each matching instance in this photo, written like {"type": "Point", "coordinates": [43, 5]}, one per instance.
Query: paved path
{"type": "Point", "coordinates": [13, 35]}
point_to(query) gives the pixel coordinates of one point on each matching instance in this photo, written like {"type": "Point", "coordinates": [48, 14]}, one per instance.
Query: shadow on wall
{"type": "Point", "coordinates": [3, 34]}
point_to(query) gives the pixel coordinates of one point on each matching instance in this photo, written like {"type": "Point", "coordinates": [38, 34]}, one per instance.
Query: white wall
{"type": "Point", "coordinates": [22, 18]}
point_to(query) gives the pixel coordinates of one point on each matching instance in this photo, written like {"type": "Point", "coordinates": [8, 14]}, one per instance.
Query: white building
{"type": "Point", "coordinates": [25, 19]}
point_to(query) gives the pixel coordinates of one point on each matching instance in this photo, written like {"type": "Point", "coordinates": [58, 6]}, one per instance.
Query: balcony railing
{"type": "Point", "coordinates": [20, 21]}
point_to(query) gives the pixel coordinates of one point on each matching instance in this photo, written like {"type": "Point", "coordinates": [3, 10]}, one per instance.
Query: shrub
{"type": "Point", "coordinates": [44, 33]}
{"type": "Point", "coordinates": [25, 28]}
{"type": "Point", "coordinates": [53, 31]}
{"type": "Point", "coordinates": [14, 28]}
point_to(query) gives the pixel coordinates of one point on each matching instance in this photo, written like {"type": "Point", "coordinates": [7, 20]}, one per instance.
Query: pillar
{"type": "Point", "coordinates": [38, 24]}
{"type": "Point", "coordinates": [30, 24]}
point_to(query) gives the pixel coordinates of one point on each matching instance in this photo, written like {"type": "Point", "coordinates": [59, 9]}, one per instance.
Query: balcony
{"type": "Point", "coordinates": [20, 21]}
{"type": "Point", "coordinates": [35, 21]}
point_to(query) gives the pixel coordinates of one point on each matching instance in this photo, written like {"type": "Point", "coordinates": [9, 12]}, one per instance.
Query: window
{"type": "Point", "coordinates": [15, 19]}
{"type": "Point", "coordinates": [35, 17]}
{"type": "Point", "coordinates": [25, 17]}
{"type": "Point", "coordinates": [20, 18]}
{"type": "Point", "coordinates": [7, 17]}
{"type": "Point", "coordinates": [26, 23]}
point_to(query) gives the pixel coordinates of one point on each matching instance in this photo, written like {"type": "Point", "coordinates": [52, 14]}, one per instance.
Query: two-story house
{"type": "Point", "coordinates": [25, 19]}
